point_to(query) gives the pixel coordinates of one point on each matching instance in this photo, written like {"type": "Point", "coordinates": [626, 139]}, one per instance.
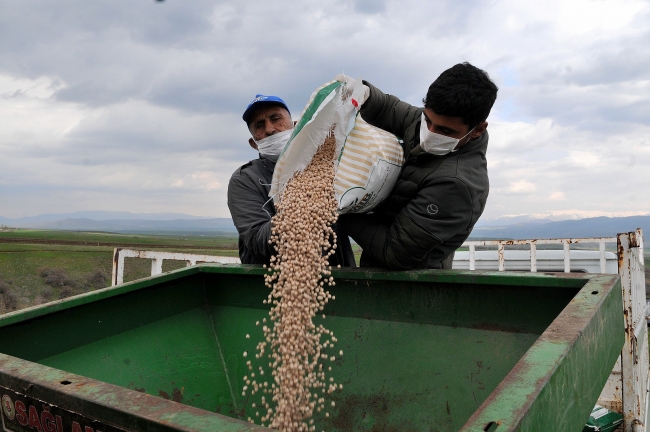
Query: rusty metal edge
{"type": "Point", "coordinates": [111, 404]}
{"type": "Point", "coordinates": [519, 392]}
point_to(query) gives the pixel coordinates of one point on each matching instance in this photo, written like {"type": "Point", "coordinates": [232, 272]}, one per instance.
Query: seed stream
{"type": "Point", "coordinates": [303, 238]}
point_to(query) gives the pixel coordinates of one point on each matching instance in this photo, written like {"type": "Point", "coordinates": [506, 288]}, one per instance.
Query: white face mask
{"type": "Point", "coordinates": [435, 143]}
{"type": "Point", "coordinates": [272, 145]}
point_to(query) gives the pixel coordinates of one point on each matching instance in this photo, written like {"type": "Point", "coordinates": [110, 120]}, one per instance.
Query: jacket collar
{"type": "Point", "coordinates": [268, 163]}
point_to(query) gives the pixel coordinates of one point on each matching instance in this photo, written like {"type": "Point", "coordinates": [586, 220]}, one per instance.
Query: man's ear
{"type": "Point", "coordinates": [252, 143]}
{"type": "Point", "coordinates": [478, 130]}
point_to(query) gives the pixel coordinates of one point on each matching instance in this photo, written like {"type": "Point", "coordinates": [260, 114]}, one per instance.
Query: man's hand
{"type": "Point", "coordinates": [345, 79]}
{"type": "Point", "coordinates": [350, 85]}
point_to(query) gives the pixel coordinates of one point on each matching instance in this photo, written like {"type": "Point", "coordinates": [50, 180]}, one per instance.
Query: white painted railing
{"type": "Point", "coordinates": [628, 386]}
{"type": "Point", "coordinates": [501, 244]}
{"type": "Point", "coordinates": [157, 258]}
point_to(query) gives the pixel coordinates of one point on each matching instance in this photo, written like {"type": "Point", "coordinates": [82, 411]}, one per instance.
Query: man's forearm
{"type": "Point", "coordinates": [257, 241]}
{"type": "Point", "coordinates": [372, 235]}
{"type": "Point", "coordinates": [360, 227]}
{"type": "Point", "coordinates": [387, 112]}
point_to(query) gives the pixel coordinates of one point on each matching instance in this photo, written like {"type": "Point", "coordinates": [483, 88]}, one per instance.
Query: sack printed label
{"type": "Point", "coordinates": [22, 413]}
{"type": "Point", "coordinates": [599, 412]}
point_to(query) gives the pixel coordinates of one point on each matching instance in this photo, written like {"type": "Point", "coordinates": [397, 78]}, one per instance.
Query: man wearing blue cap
{"type": "Point", "coordinates": [270, 124]}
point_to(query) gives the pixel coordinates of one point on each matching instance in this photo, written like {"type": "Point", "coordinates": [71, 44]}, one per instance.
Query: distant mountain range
{"type": "Point", "coordinates": [99, 216]}
{"type": "Point", "coordinates": [178, 223]}
{"type": "Point", "coordinates": [534, 219]}
{"type": "Point", "coordinates": [589, 227]}
{"type": "Point", "coordinates": [125, 222]}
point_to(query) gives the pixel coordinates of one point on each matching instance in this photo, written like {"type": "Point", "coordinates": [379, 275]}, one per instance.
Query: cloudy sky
{"type": "Point", "coordinates": [135, 105]}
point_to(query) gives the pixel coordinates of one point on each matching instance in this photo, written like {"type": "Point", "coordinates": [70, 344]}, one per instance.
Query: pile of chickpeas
{"type": "Point", "coordinates": [293, 345]}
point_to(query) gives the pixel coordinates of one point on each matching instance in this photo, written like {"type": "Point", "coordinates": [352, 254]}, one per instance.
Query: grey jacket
{"type": "Point", "coordinates": [252, 210]}
{"type": "Point", "coordinates": [435, 202]}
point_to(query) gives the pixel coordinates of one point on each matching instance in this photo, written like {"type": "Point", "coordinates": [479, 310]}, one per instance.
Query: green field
{"type": "Point", "coordinates": [25, 256]}
{"type": "Point", "coordinates": [97, 238]}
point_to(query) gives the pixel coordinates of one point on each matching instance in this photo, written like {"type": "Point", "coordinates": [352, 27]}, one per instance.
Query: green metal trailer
{"type": "Point", "coordinates": [423, 351]}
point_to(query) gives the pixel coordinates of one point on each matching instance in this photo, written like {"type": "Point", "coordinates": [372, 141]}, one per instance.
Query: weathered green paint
{"type": "Point", "coordinates": [562, 371]}
{"type": "Point", "coordinates": [423, 350]}
{"type": "Point", "coordinates": [111, 404]}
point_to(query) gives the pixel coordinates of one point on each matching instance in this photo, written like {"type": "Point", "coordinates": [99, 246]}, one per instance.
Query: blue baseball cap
{"type": "Point", "coordinates": [262, 100]}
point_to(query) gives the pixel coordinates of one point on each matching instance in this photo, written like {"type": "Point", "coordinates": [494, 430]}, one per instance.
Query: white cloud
{"type": "Point", "coordinates": [119, 105]}
{"type": "Point", "coordinates": [598, 174]}
{"type": "Point", "coordinates": [597, 17]}
{"type": "Point", "coordinates": [58, 156]}
{"type": "Point", "coordinates": [584, 158]}
{"type": "Point", "coordinates": [522, 186]}
{"type": "Point", "coordinates": [29, 116]}
{"type": "Point", "coordinates": [39, 88]}
{"type": "Point", "coordinates": [557, 196]}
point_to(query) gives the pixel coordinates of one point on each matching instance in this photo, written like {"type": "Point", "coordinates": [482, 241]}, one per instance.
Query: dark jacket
{"type": "Point", "coordinates": [252, 209]}
{"type": "Point", "coordinates": [435, 202]}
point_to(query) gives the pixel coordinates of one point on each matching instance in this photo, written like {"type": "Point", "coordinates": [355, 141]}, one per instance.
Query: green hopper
{"type": "Point", "coordinates": [423, 351]}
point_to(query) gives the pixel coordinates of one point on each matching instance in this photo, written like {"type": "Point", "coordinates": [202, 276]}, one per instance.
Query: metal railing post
{"type": "Point", "coordinates": [634, 357]}
{"type": "Point", "coordinates": [567, 257]}
{"type": "Point", "coordinates": [502, 259]}
{"type": "Point", "coordinates": [533, 256]}
{"type": "Point", "coordinates": [639, 236]}
{"type": "Point", "coordinates": [156, 266]}
{"type": "Point", "coordinates": [472, 257]}
{"type": "Point", "coordinates": [115, 276]}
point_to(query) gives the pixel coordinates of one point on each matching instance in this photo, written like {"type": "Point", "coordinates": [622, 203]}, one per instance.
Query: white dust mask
{"type": "Point", "coordinates": [435, 143]}
{"type": "Point", "coordinates": [272, 145]}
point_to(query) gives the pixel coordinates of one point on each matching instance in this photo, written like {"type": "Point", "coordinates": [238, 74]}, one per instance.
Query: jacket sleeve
{"type": "Point", "coordinates": [439, 211]}
{"type": "Point", "coordinates": [247, 207]}
{"type": "Point", "coordinates": [388, 112]}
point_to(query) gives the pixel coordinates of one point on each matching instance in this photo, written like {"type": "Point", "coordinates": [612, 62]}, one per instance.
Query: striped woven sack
{"type": "Point", "coordinates": [368, 159]}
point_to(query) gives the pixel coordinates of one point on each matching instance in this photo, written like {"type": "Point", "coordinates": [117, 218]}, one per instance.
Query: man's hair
{"type": "Point", "coordinates": [462, 91]}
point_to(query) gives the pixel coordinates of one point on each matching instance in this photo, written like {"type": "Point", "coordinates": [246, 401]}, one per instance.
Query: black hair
{"type": "Point", "coordinates": [462, 91]}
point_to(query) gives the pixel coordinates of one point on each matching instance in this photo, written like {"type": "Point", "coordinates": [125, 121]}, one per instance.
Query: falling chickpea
{"type": "Point", "coordinates": [303, 238]}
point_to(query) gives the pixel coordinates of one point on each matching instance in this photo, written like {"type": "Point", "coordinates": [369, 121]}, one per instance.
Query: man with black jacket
{"type": "Point", "coordinates": [443, 186]}
{"type": "Point", "coordinates": [270, 124]}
